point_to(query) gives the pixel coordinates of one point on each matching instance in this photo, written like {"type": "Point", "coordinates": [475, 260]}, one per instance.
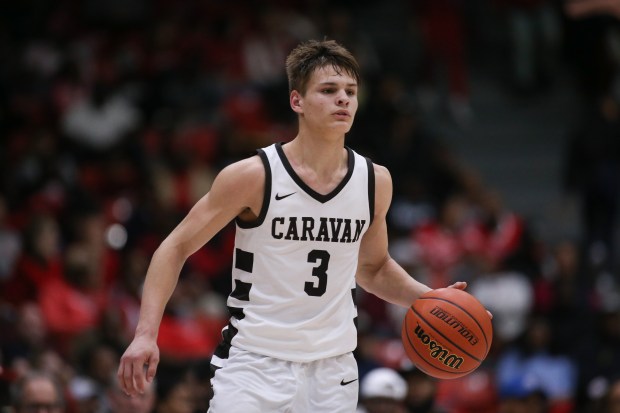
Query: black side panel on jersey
{"type": "Point", "coordinates": [266, 195]}
{"type": "Point", "coordinates": [371, 190]}
{"type": "Point", "coordinates": [223, 349]}
{"type": "Point", "coordinates": [244, 260]}
{"type": "Point", "coordinates": [354, 297]}
{"type": "Point", "coordinates": [241, 291]}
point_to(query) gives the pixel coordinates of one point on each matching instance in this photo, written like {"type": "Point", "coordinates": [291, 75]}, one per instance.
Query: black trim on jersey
{"type": "Point", "coordinates": [319, 197]}
{"type": "Point", "coordinates": [244, 260]}
{"type": "Point", "coordinates": [212, 369]}
{"type": "Point", "coordinates": [241, 291]}
{"type": "Point", "coordinates": [236, 312]}
{"type": "Point", "coordinates": [267, 194]}
{"type": "Point", "coordinates": [223, 349]}
{"type": "Point", "coordinates": [371, 189]}
{"type": "Point", "coordinates": [354, 297]}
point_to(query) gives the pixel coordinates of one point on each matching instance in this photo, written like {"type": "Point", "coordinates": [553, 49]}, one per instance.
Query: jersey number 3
{"type": "Point", "coordinates": [320, 271]}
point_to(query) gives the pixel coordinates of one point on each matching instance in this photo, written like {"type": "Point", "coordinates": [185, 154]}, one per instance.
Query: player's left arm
{"type": "Point", "coordinates": [377, 272]}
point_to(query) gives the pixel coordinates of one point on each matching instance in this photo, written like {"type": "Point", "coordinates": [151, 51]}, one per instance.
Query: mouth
{"type": "Point", "coordinates": [341, 114]}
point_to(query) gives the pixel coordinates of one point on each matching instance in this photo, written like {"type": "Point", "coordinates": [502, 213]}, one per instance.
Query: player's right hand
{"type": "Point", "coordinates": [138, 365]}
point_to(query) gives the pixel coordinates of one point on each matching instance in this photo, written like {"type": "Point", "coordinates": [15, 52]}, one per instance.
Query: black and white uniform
{"type": "Point", "coordinates": [293, 292]}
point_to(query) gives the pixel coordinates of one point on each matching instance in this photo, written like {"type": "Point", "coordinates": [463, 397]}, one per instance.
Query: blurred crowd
{"type": "Point", "coordinates": [115, 116]}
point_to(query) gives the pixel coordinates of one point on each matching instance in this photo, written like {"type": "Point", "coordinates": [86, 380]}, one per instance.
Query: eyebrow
{"type": "Point", "coordinates": [336, 84]}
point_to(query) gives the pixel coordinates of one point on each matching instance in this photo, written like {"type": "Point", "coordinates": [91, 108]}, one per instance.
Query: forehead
{"type": "Point", "coordinates": [330, 74]}
{"type": "Point", "coordinates": [40, 390]}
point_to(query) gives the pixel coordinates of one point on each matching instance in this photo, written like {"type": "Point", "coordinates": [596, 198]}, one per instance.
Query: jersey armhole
{"type": "Point", "coordinates": [371, 190]}
{"type": "Point", "coordinates": [266, 195]}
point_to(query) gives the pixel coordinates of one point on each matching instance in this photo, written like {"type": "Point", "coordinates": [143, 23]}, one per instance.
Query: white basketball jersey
{"type": "Point", "coordinates": [294, 267]}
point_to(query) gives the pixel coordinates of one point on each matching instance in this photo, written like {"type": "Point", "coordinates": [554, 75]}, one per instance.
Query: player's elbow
{"type": "Point", "coordinates": [172, 251]}
{"type": "Point", "coordinates": [369, 274]}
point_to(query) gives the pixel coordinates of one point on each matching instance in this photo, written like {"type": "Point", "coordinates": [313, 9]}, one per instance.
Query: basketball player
{"type": "Point", "coordinates": [310, 218]}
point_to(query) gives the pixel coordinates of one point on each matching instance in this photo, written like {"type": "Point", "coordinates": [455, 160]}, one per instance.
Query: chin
{"type": "Point", "coordinates": [343, 127]}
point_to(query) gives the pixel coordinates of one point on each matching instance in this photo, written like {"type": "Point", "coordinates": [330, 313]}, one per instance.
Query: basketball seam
{"type": "Point", "coordinates": [422, 358]}
{"type": "Point", "coordinates": [486, 341]}
{"type": "Point", "coordinates": [443, 335]}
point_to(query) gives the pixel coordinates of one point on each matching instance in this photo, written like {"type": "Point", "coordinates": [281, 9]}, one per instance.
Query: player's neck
{"type": "Point", "coordinates": [324, 158]}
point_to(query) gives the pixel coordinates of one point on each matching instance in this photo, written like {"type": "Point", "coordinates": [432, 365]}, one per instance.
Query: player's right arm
{"type": "Point", "coordinates": [237, 191]}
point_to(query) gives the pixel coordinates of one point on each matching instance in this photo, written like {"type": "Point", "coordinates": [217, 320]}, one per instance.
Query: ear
{"type": "Point", "coordinates": [296, 101]}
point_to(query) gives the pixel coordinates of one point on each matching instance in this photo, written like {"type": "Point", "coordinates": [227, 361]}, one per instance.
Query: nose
{"type": "Point", "coordinates": [343, 99]}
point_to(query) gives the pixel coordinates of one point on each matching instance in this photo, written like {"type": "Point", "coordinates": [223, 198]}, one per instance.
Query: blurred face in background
{"type": "Point", "coordinates": [40, 395]}
{"type": "Point", "coordinates": [43, 237]}
{"type": "Point", "coordinates": [31, 327]}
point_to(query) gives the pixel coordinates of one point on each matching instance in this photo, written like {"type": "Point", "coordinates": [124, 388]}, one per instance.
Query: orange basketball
{"type": "Point", "coordinates": [447, 333]}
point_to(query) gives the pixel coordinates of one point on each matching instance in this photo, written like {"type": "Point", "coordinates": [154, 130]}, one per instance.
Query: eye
{"type": "Point", "coordinates": [328, 90]}
{"type": "Point", "coordinates": [351, 92]}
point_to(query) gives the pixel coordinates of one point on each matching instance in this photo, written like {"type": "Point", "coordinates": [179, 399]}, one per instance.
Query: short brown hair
{"type": "Point", "coordinates": [316, 54]}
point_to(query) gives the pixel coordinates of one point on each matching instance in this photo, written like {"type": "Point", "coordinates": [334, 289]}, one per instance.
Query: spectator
{"type": "Point", "coordinates": [28, 340]}
{"type": "Point", "coordinates": [421, 392]}
{"type": "Point", "coordinates": [98, 362]}
{"type": "Point", "coordinates": [383, 390]}
{"type": "Point", "coordinates": [174, 390]}
{"type": "Point", "coordinates": [509, 296]}
{"type": "Point", "coordinates": [83, 395]}
{"type": "Point", "coordinates": [37, 392]}
{"type": "Point", "coordinates": [533, 359]}
{"type": "Point", "coordinates": [101, 121]}
{"type": "Point", "coordinates": [87, 226]}
{"type": "Point", "coordinates": [184, 332]}
{"type": "Point", "coordinates": [441, 241]}
{"type": "Point", "coordinates": [523, 394]}
{"type": "Point", "coordinates": [500, 237]}
{"type": "Point", "coordinates": [561, 295]}
{"type": "Point", "coordinates": [39, 262]}
{"type": "Point", "coordinates": [74, 304]}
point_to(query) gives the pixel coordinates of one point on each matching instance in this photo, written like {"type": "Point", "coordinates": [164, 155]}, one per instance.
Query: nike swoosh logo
{"type": "Point", "coordinates": [344, 383]}
{"type": "Point", "coordinates": [278, 197]}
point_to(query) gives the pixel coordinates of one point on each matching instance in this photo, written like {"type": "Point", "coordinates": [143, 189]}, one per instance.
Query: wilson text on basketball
{"type": "Point", "coordinates": [437, 351]}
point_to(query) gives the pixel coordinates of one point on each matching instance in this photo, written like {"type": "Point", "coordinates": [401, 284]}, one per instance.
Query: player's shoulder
{"type": "Point", "coordinates": [382, 174]}
{"type": "Point", "coordinates": [247, 171]}
{"type": "Point", "coordinates": [383, 188]}
{"type": "Point", "coordinates": [247, 166]}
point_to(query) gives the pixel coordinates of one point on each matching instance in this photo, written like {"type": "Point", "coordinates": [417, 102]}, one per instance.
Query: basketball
{"type": "Point", "coordinates": [447, 333]}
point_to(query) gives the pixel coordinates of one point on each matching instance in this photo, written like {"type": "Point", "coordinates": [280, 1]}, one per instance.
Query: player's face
{"type": "Point", "coordinates": [330, 101]}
